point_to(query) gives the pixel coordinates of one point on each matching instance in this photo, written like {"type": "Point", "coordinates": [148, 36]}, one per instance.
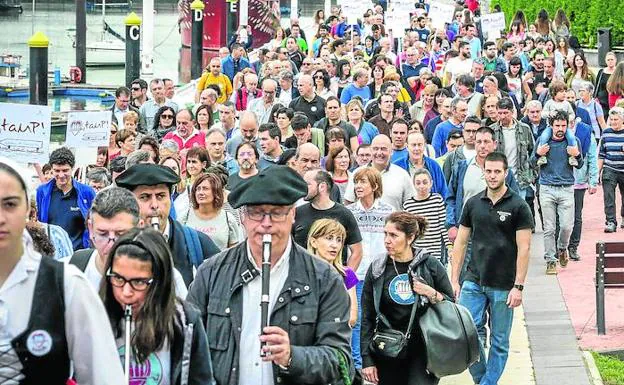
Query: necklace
{"type": "Point", "coordinates": [395, 268]}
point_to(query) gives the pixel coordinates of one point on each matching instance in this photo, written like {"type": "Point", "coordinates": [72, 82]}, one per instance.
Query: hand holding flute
{"type": "Point", "coordinates": [128, 347]}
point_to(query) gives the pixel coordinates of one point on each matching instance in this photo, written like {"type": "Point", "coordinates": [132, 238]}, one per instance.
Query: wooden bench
{"type": "Point", "coordinates": [609, 275]}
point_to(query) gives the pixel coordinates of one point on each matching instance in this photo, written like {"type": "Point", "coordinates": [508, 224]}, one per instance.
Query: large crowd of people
{"type": "Point", "coordinates": [392, 169]}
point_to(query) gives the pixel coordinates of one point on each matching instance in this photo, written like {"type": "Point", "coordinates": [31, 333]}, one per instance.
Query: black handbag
{"type": "Point", "coordinates": [447, 324]}
{"type": "Point", "coordinates": [388, 342]}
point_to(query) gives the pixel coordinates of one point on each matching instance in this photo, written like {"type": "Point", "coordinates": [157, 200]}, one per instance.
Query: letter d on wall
{"type": "Point", "coordinates": [198, 14]}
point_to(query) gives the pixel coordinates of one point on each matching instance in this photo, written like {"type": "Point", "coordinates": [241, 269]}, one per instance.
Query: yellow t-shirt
{"type": "Point", "coordinates": [220, 80]}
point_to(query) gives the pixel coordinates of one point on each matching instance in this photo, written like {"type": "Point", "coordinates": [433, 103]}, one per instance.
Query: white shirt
{"type": "Point", "coordinates": [90, 340]}
{"type": "Point", "coordinates": [474, 181]}
{"type": "Point", "coordinates": [457, 67]}
{"type": "Point", "coordinates": [252, 369]}
{"type": "Point", "coordinates": [511, 149]}
{"type": "Point", "coordinates": [469, 154]}
{"type": "Point", "coordinates": [397, 186]}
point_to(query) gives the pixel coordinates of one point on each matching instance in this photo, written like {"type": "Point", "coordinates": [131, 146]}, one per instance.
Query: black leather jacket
{"type": "Point", "coordinates": [313, 308]}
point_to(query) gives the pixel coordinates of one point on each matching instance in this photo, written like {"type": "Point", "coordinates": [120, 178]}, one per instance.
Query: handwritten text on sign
{"type": "Point", "coordinates": [88, 129]}
{"type": "Point", "coordinates": [25, 132]}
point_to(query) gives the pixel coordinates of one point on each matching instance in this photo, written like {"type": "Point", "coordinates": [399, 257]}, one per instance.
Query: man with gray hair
{"type": "Point", "coordinates": [148, 109]}
{"type": "Point", "coordinates": [138, 156]}
{"type": "Point", "coordinates": [358, 88]}
{"type": "Point", "coordinates": [98, 179]}
{"type": "Point", "coordinates": [114, 212]}
{"type": "Point", "coordinates": [287, 92]}
{"type": "Point", "coordinates": [533, 117]}
{"type": "Point", "coordinates": [262, 106]}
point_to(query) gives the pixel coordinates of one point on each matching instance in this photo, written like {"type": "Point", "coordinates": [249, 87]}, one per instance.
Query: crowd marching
{"type": "Point", "coordinates": [394, 171]}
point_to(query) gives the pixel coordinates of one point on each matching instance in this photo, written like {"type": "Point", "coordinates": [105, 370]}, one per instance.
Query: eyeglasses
{"type": "Point", "coordinates": [136, 88]}
{"type": "Point", "coordinates": [258, 215]}
{"type": "Point", "coordinates": [307, 64]}
{"type": "Point", "coordinates": [104, 238]}
{"type": "Point", "coordinates": [138, 284]}
{"type": "Point", "coordinates": [318, 77]}
{"type": "Point", "coordinates": [166, 116]}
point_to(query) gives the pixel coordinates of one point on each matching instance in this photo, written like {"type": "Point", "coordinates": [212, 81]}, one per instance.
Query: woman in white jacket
{"type": "Point", "coordinates": [49, 314]}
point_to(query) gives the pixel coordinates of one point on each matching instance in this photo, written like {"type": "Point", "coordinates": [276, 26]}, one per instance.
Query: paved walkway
{"type": "Point", "coordinates": [543, 347]}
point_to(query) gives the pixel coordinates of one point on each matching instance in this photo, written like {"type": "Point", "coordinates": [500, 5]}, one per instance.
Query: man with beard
{"type": "Point", "coordinates": [461, 64]}
{"type": "Point", "coordinates": [247, 156]}
{"type": "Point", "coordinates": [321, 206]}
{"type": "Point", "coordinates": [498, 223]}
{"type": "Point", "coordinates": [186, 135]}
{"type": "Point", "coordinates": [151, 184]}
{"type": "Point", "coordinates": [459, 111]}
{"type": "Point", "coordinates": [493, 63]}
{"type": "Point", "coordinates": [556, 192]}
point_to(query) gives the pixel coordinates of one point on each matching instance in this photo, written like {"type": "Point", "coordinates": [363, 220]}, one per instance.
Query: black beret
{"type": "Point", "coordinates": [274, 185]}
{"type": "Point", "coordinates": [146, 174]}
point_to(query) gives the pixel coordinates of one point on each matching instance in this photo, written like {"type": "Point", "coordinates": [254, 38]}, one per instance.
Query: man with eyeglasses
{"type": "Point", "coordinates": [149, 109]}
{"type": "Point", "coordinates": [308, 304]}
{"type": "Point", "coordinates": [247, 156]}
{"type": "Point", "coordinates": [152, 184]}
{"type": "Point", "coordinates": [114, 212]}
{"type": "Point", "coordinates": [213, 75]}
{"type": "Point", "coordinates": [263, 105]}
{"type": "Point", "coordinates": [122, 105]}
{"type": "Point", "coordinates": [464, 151]}
{"type": "Point", "coordinates": [186, 135]}
{"type": "Point", "coordinates": [138, 89]}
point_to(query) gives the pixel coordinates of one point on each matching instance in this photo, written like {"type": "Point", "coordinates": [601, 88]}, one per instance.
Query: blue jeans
{"type": "Point", "coordinates": [355, 335]}
{"type": "Point", "coordinates": [477, 299]}
{"type": "Point", "coordinates": [546, 135]}
{"type": "Point", "coordinates": [556, 201]}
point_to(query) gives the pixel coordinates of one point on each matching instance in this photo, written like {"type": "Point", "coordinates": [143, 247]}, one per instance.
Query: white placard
{"type": "Point", "coordinates": [493, 22]}
{"type": "Point", "coordinates": [88, 129]}
{"type": "Point", "coordinates": [441, 13]}
{"type": "Point", "coordinates": [352, 11]}
{"type": "Point", "coordinates": [25, 132]}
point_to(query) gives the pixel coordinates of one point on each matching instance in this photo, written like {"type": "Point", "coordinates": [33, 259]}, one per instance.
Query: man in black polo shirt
{"type": "Point", "coordinates": [499, 222]}
{"type": "Point", "coordinates": [308, 102]}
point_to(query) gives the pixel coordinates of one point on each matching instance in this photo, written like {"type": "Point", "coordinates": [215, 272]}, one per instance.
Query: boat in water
{"type": "Point", "coordinates": [110, 48]}
{"type": "Point", "coordinates": [11, 6]}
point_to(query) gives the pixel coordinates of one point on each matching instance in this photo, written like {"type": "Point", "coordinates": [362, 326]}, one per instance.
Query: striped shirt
{"type": "Point", "coordinates": [433, 209]}
{"type": "Point", "coordinates": [612, 149]}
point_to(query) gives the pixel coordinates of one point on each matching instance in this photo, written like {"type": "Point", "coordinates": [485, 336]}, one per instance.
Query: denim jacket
{"type": "Point", "coordinates": [588, 173]}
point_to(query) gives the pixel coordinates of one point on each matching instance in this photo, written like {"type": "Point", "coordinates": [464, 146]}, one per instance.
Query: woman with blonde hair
{"type": "Point", "coordinates": [600, 89]}
{"type": "Point", "coordinates": [355, 114]}
{"type": "Point", "coordinates": [391, 75]}
{"type": "Point", "coordinates": [421, 107]}
{"type": "Point", "coordinates": [326, 240]}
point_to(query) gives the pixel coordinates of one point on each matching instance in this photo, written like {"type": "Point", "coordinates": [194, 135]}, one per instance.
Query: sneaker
{"type": "Point", "coordinates": [551, 268]}
{"type": "Point", "coordinates": [563, 257]}
{"type": "Point", "coordinates": [542, 160]}
{"type": "Point", "coordinates": [574, 255]}
{"type": "Point", "coordinates": [610, 227]}
{"type": "Point", "coordinates": [572, 161]}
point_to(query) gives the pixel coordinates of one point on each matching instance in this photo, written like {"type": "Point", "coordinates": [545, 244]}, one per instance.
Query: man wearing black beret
{"type": "Point", "coordinates": [151, 184]}
{"type": "Point", "coordinates": [308, 340]}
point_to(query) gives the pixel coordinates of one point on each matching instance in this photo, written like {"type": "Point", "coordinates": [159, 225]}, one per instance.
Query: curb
{"type": "Point", "coordinates": [594, 374]}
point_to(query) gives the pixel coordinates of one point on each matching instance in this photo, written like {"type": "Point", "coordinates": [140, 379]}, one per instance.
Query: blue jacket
{"type": "Point", "coordinates": [227, 66]}
{"type": "Point", "coordinates": [455, 197]}
{"type": "Point", "coordinates": [85, 197]}
{"type": "Point", "coordinates": [437, 176]}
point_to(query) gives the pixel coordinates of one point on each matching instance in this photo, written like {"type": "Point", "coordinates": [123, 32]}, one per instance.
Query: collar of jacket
{"type": "Point", "coordinates": [298, 278]}
{"type": "Point", "coordinates": [379, 263]}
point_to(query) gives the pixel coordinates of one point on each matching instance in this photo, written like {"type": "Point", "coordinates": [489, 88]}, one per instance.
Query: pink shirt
{"type": "Point", "coordinates": [197, 139]}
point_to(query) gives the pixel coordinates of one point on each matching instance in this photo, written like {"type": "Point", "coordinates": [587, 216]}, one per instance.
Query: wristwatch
{"type": "Point", "coordinates": [519, 287]}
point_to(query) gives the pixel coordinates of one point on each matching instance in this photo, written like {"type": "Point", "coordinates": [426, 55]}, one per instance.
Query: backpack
{"type": "Point", "coordinates": [81, 258]}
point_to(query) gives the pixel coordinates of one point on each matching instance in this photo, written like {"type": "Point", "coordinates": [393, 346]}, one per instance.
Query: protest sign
{"type": "Point", "coordinates": [25, 132]}
{"type": "Point", "coordinates": [441, 13]}
{"type": "Point", "coordinates": [88, 129]}
{"type": "Point", "coordinates": [493, 22]}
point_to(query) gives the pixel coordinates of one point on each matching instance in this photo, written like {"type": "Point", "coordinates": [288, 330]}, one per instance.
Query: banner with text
{"type": "Point", "coordinates": [25, 132]}
{"type": "Point", "coordinates": [493, 22]}
{"type": "Point", "coordinates": [441, 13]}
{"type": "Point", "coordinates": [88, 129]}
